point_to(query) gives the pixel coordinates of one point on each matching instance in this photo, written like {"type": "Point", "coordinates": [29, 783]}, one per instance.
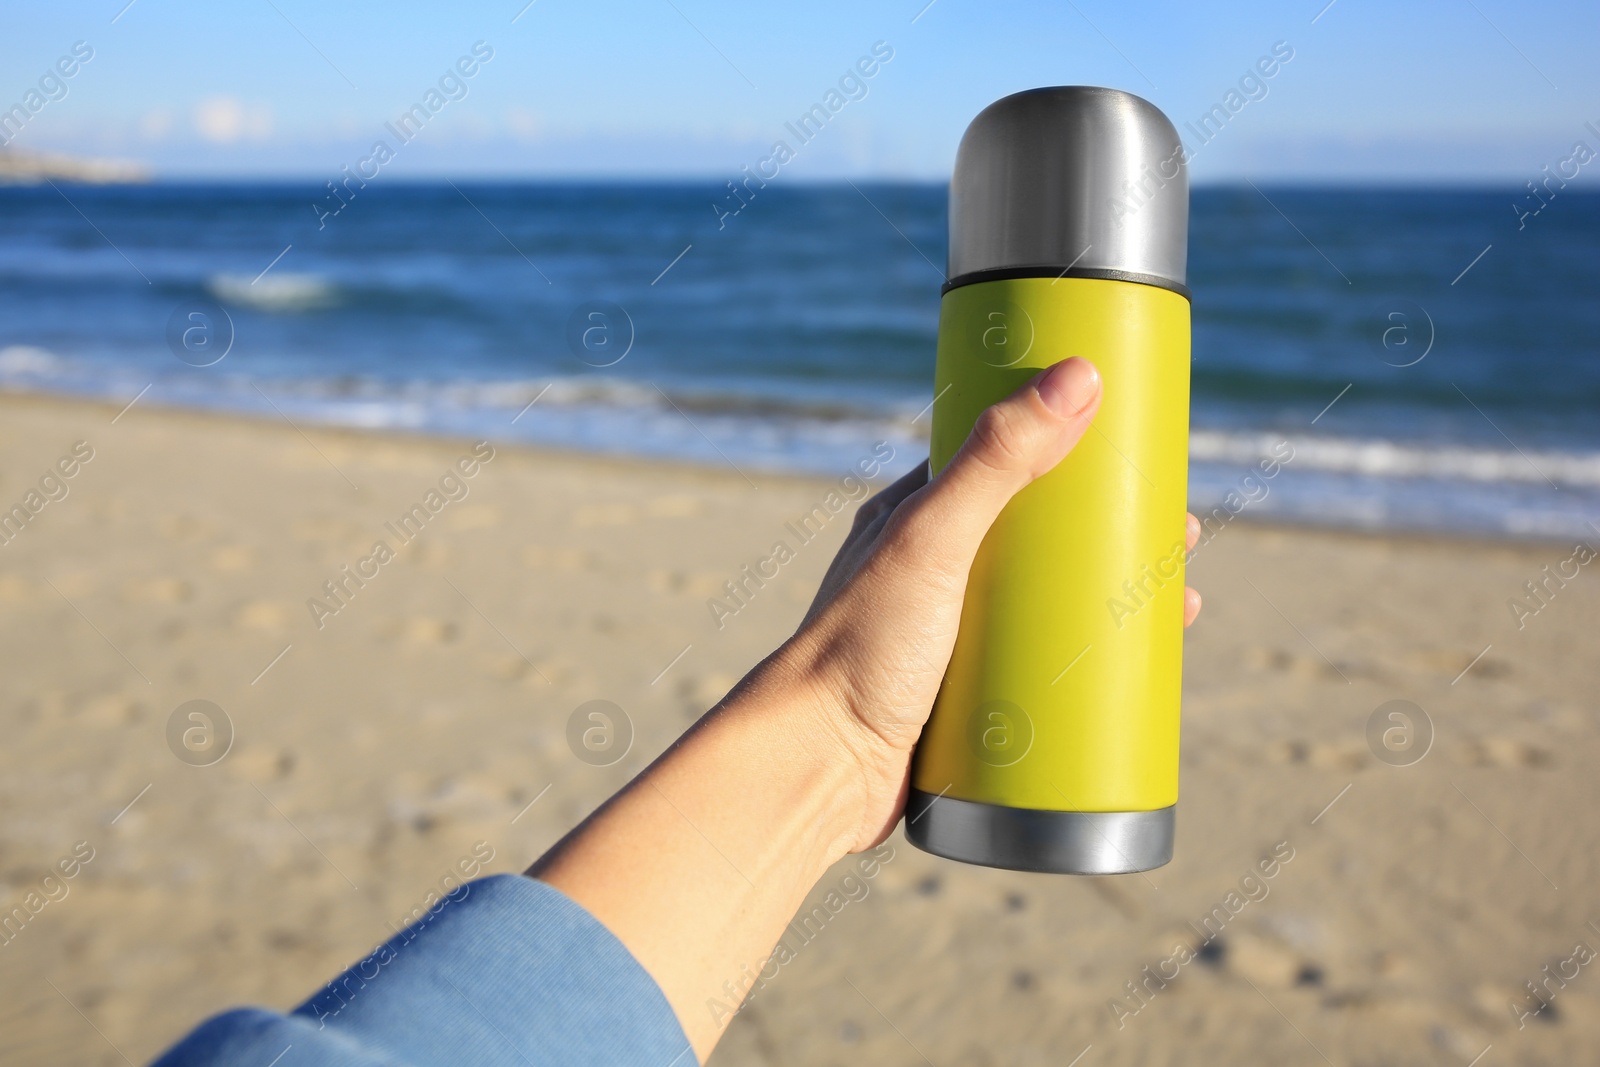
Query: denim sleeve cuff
{"type": "Point", "coordinates": [506, 971]}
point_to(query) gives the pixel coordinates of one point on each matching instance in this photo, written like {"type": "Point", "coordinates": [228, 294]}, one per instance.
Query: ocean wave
{"type": "Point", "coordinates": [796, 412]}
{"type": "Point", "coordinates": [1381, 458]}
{"type": "Point", "coordinates": [783, 402]}
{"type": "Point", "coordinates": [25, 360]}
{"type": "Point", "coordinates": [283, 294]}
{"type": "Point", "coordinates": [1346, 481]}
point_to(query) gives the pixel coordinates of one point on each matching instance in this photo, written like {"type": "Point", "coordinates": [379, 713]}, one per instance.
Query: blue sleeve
{"type": "Point", "coordinates": [506, 971]}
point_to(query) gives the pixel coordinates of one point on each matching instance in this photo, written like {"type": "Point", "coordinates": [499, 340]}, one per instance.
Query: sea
{"type": "Point", "coordinates": [1430, 356]}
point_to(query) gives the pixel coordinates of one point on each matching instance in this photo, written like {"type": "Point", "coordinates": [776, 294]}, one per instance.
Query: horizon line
{"type": "Point", "coordinates": [1405, 182]}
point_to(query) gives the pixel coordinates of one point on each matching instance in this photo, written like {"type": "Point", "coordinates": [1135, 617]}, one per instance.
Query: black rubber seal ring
{"type": "Point", "coordinates": [1003, 273]}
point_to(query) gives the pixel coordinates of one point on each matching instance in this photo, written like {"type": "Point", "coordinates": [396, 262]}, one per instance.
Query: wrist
{"type": "Point", "coordinates": [855, 773]}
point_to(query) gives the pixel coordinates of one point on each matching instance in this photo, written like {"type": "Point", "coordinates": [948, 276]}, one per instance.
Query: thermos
{"type": "Point", "coordinates": [1053, 744]}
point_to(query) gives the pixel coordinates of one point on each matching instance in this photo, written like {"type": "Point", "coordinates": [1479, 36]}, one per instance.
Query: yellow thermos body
{"type": "Point", "coordinates": [1053, 744]}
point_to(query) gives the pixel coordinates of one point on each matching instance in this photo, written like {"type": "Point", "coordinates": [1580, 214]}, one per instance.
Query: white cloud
{"type": "Point", "coordinates": [524, 125]}
{"type": "Point", "coordinates": [224, 119]}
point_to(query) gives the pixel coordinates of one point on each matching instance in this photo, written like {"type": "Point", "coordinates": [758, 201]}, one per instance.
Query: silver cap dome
{"type": "Point", "coordinates": [1070, 179]}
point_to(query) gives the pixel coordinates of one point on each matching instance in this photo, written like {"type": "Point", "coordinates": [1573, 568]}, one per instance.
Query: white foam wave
{"type": "Point", "coordinates": [619, 394]}
{"type": "Point", "coordinates": [397, 404]}
{"type": "Point", "coordinates": [284, 293]}
{"type": "Point", "coordinates": [1388, 459]}
{"type": "Point", "coordinates": [28, 359]}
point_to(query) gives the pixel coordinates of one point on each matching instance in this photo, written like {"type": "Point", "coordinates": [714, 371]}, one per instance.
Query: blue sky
{"type": "Point", "coordinates": [1471, 90]}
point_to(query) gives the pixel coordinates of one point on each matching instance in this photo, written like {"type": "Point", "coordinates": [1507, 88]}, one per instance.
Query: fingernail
{"type": "Point", "coordinates": [1069, 386]}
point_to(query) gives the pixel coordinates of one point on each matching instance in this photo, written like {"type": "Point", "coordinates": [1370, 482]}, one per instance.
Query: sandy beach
{"type": "Point", "coordinates": [416, 726]}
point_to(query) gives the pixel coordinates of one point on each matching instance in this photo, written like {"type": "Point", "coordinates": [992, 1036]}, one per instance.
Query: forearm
{"type": "Point", "coordinates": [699, 863]}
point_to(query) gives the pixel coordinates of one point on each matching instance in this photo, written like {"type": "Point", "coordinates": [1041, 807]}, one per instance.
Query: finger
{"type": "Point", "coordinates": [1191, 527]}
{"type": "Point", "coordinates": [889, 498]}
{"type": "Point", "coordinates": [876, 509]}
{"type": "Point", "coordinates": [1013, 442]}
{"type": "Point", "coordinates": [1191, 605]}
{"type": "Point", "coordinates": [869, 522]}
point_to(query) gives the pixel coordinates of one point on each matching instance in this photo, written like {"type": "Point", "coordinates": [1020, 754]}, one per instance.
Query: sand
{"type": "Point", "coordinates": [424, 725]}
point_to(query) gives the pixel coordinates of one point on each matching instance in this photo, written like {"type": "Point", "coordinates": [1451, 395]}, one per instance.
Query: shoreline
{"type": "Point", "coordinates": [11, 397]}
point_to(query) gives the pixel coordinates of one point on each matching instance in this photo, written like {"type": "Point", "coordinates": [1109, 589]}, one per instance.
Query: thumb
{"type": "Point", "coordinates": [1013, 442]}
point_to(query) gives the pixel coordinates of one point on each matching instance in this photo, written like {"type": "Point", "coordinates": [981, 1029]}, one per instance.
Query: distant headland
{"type": "Point", "coordinates": [31, 168]}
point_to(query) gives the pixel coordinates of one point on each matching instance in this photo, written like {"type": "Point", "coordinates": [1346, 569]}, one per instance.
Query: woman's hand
{"type": "Point", "coordinates": [880, 633]}
{"type": "Point", "coordinates": [698, 864]}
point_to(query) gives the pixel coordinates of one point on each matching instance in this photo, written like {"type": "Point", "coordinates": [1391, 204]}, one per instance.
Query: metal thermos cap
{"type": "Point", "coordinates": [1070, 180]}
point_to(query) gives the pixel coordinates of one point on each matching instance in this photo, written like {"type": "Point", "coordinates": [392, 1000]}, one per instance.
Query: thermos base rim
{"type": "Point", "coordinates": [1029, 839]}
